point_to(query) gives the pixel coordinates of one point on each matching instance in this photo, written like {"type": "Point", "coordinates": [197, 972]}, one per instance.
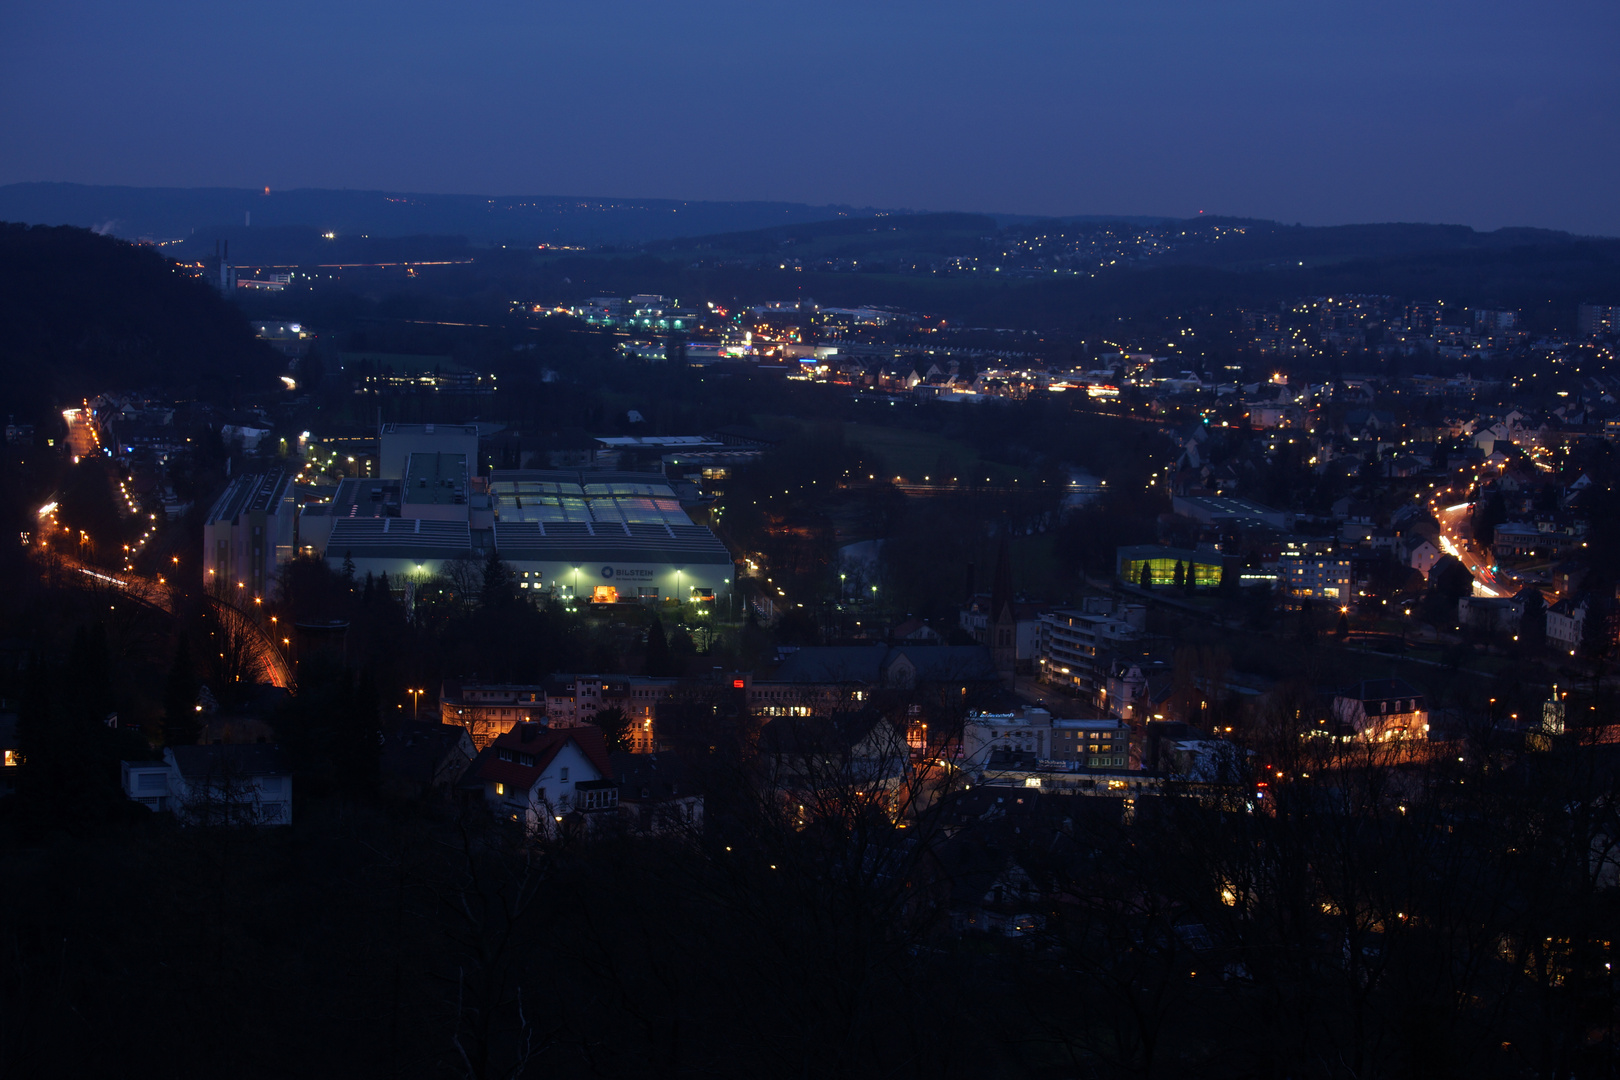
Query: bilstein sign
{"type": "Point", "coordinates": [610, 573]}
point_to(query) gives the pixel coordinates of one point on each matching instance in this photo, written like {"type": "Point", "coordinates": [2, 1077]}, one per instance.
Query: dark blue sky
{"type": "Point", "coordinates": [1486, 112]}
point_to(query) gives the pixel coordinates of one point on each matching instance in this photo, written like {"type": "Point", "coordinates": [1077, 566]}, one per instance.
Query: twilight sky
{"type": "Point", "coordinates": [1483, 112]}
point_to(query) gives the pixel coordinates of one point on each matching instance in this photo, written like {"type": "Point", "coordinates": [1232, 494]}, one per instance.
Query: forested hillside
{"type": "Point", "coordinates": [85, 313]}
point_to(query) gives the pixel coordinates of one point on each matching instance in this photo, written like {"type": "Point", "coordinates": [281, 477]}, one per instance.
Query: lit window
{"type": "Point", "coordinates": [500, 789]}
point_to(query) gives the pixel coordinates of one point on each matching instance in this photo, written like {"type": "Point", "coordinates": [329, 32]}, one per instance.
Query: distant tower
{"type": "Point", "coordinates": [220, 273]}
{"type": "Point", "coordinates": [1003, 621]}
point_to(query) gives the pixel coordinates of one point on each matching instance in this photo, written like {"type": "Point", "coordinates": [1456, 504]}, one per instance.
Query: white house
{"type": "Point", "coordinates": [537, 776]}
{"type": "Point", "coordinates": [1423, 557]}
{"type": "Point", "coordinates": [1566, 621]}
{"type": "Point", "coordinates": [214, 785]}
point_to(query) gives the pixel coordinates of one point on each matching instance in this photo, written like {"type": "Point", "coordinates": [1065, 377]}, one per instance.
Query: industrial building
{"type": "Point", "coordinates": [250, 531]}
{"type": "Point", "coordinates": [1202, 565]}
{"type": "Point", "coordinates": [598, 537]}
{"type": "Point", "coordinates": [399, 441]}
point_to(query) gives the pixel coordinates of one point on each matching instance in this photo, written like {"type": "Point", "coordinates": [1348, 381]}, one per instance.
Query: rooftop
{"type": "Point", "coordinates": [531, 495]}
{"type": "Point", "coordinates": [436, 479]}
{"type": "Point", "coordinates": [251, 492]}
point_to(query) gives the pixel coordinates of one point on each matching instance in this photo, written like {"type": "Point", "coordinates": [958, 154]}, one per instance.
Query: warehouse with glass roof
{"type": "Point", "coordinates": [599, 537]}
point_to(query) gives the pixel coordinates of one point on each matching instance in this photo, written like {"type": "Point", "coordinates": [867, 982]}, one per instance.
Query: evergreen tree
{"type": "Point", "coordinates": [1146, 579]}
{"type": "Point", "coordinates": [348, 570]}
{"type": "Point", "coordinates": [88, 678]}
{"type": "Point", "coordinates": [181, 726]}
{"type": "Point", "coordinates": [1597, 629]}
{"type": "Point", "coordinates": [357, 749]}
{"type": "Point", "coordinates": [658, 658]}
{"type": "Point", "coordinates": [1307, 620]}
{"type": "Point", "coordinates": [1179, 576]}
{"type": "Point", "coordinates": [615, 728]}
{"type": "Point", "coordinates": [38, 738]}
{"type": "Point", "coordinates": [497, 581]}
{"type": "Point", "coordinates": [681, 647]}
{"type": "Point", "coordinates": [1488, 514]}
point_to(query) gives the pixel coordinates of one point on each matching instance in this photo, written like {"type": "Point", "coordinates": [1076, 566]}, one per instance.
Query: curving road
{"type": "Point", "coordinates": [1454, 532]}
{"type": "Point", "coordinates": [266, 662]}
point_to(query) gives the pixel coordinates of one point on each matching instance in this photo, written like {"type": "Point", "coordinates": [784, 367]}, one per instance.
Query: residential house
{"type": "Point", "coordinates": [834, 764]}
{"type": "Point", "coordinates": [424, 760]}
{"type": "Point", "coordinates": [657, 795]}
{"type": "Point", "coordinates": [916, 631]}
{"type": "Point", "coordinates": [1422, 555]}
{"type": "Point", "coordinates": [1492, 614]}
{"type": "Point", "coordinates": [1566, 622]}
{"type": "Point", "coordinates": [1381, 709]}
{"type": "Point", "coordinates": [10, 753]}
{"type": "Point", "coordinates": [537, 776]}
{"type": "Point", "coordinates": [214, 785]}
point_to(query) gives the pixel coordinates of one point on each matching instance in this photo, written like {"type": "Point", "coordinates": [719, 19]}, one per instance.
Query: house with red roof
{"type": "Point", "coordinates": [540, 776]}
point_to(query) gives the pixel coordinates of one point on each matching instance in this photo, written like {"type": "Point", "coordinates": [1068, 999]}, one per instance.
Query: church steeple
{"type": "Point", "coordinates": [1001, 592]}
{"type": "Point", "coordinates": [1003, 621]}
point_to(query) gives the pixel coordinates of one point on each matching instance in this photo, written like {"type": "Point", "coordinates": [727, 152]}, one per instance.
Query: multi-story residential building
{"type": "Point", "coordinates": [1091, 744]}
{"type": "Point", "coordinates": [1598, 320]}
{"type": "Point", "coordinates": [490, 710]}
{"type": "Point", "coordinates": [1077, 650]}
{"type": "Point", "coordinates": [1327, 577]}
{"type": "Point", "coordinates": [572, 699]}
{"type": "Point", "coordinates": [250, 532]}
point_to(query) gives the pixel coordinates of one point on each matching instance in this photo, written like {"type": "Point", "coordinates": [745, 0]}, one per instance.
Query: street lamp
{"type": "Point", "coordinates": [416, 697]}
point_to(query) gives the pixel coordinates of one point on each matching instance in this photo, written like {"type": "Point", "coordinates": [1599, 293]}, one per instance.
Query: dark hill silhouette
{"type": "Point", "coordinates": [174, 213]}
{"type": "Point", "coordinates": [85, 313]}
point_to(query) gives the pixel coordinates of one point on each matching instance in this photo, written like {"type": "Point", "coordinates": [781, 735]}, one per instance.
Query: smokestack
{"type": "Point", "coordinates": [249, 222]}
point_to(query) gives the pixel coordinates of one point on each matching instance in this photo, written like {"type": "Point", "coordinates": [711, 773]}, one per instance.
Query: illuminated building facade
{"type": "Point", "coordinates": [251, 531]}
{"type": "Point", "coordinates": [1203, 565]}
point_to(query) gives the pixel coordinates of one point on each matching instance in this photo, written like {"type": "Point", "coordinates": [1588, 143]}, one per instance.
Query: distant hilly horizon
{"type": "Point", "coordinates": [159, 214]}
{"type": "Point", "coordinates": [168, 214]}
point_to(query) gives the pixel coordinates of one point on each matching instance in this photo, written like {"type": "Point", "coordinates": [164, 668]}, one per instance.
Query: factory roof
{"type": "Point", "coordinates": [436, 479]}
{"type": "Point", "coordinates": [400, 538]}
{"type": "Point", "coordinates": [534, 496]}
{"type": "Point", "coordinates": [251, 492]}
{"type": "Point", "coordinates": [586, 541]}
